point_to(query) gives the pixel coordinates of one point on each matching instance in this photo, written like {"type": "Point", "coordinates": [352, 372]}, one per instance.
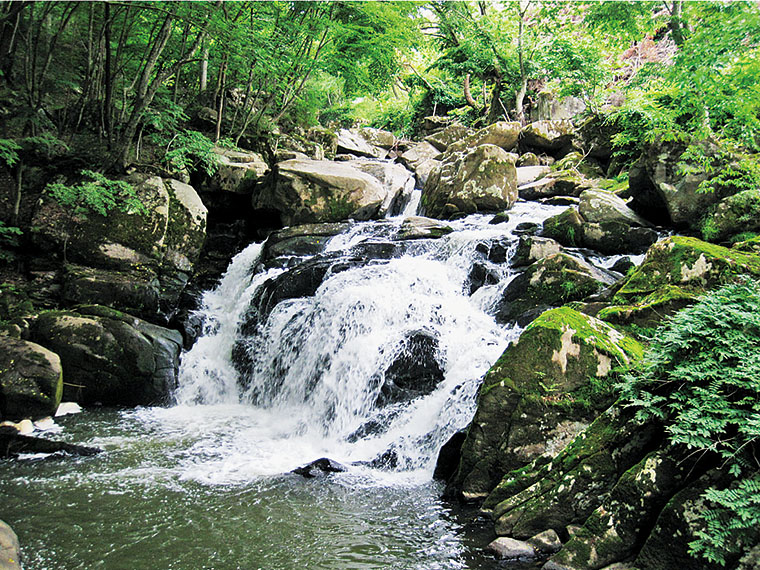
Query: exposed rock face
{"type": "Point", "coordinates": [552, 108]}
{"type": "Point", "coordinates": [662, 193]}
{"type": "Point", "coordinates": [352, 142]}
{"type": "Point", "coordinates": [314, 191]}
{"type": "Point", "coordinates": [539, 395]}
{"type": "Point", "coordinates": [163, 244]}
{"type": "Point", "coordinates": [448, 136]}
{"type": "Point", "coordinates": [414, 372]}
{"type": "Point", "coordinates": [600, 206]}
{"type": "Point", "coordinates": [557, 183]}
{"type": "Point", "coordinates": [501, 134]}
{"type": "Point", "coordinates": [110, 357]}
{"type": "Point", "coordinates": [31, 383]}
{"type": "Point", "coordinates": [550, 282]}
{"type": "Point", "coordinates": [531, 249]}
{"type": "Point", "coordinates": [397, 180]}
{"type": "Point", "coordinates": [378, 137]}
{"type": "Point", "coordinates": [480, 179]}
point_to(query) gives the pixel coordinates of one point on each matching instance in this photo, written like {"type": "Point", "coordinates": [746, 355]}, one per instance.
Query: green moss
{"type": "Point", "coordinates": [682, 260]}
{"type": "Point", "coordinates": [653, 308]}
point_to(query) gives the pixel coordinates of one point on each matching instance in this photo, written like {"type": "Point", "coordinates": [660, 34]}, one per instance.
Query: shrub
{"type": "Point", "coordinates": [98, 194]}
{"type": "Point", "coordinates": [702, 377]}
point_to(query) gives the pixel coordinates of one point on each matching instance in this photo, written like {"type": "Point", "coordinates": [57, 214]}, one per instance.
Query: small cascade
{"type": "Point", "coordinates": [378, 365]}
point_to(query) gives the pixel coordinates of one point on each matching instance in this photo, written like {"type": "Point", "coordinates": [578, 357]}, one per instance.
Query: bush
{"type": "Point", "coordinates": [702, 377]}
{"type": "Point", "coordinates": [99, 194]}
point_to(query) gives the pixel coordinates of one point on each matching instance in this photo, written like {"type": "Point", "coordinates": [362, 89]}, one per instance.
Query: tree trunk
{"type": "Point", "coordinates": [204, 68]}
{"type": "Point", "coordinates": [676, 23]}
{"type": "Point", "coordinates": [468, 94]}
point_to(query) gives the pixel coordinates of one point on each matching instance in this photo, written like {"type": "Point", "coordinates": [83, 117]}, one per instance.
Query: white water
{"type": "Point", "coordinates": [318, 363]}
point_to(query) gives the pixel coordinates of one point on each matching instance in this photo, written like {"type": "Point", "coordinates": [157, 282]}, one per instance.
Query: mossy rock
{"type": "Point", "coordinates": [652, 309]}
{"type": "Point", "coordinates": [550, 282]}
{"type": "Point", "coordinates": [110, 357]}
{"type": "Point", "coordinates": [566, 228]}
{"type": "Point", "coordinates": [569, 488]}
{"type": "Point", "coordinates": [733, 215]}
{"type": "Point", "coordinates": [548, 135]}
{"type": "Point", "coordinates": [31, 380]}
{"type": "Point", "coordinates": [614, 236]}
{"type": "Point", "coordinates": [688, 263]}
{"type": "Point", "coordinates": [542, 391]}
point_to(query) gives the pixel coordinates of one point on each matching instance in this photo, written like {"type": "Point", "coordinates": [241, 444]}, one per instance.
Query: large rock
{"type": "Point", "coordinates": [501, 134]}
{"type": "Point", "coordinates": [166, 240]}
{"type": "Point", "coordinates": [531, 249]}
{"type": "Point", "coordinates": [733, 215]}
{"type": "Point", "coordinates": [378, 137]}
{"type": "Point", "coordinates": [663, 193]}
{"type": "Point", "coordinates": [552, 108]}
{"type": "Point", "coordinates": [600, 206]}
{"type": "Point", "coordinates": [550, 282]}
{"type": "Point", "coordinates": [448, 136]}
{"type": "Point", "coordinates": [565, 228]}
{"type": "Point", "coordinates": [236, 172]}
{"type": "Point", "coordinates": [480, 179]}
{"type": "Point", "coordinates": [414, 372]}
{"type": "Point", "coordinates": [543, 390]}
{"type": "Point", "coordinates": [557, 183]}
{"type": "Point", "coordinates": [552, 136]}
{"type": "Point", "coordinates": [351, 142]}
{"type": "Point", "coordinates": [418, 227]}
{"type": "Point", "coordinates": [420, 159]}
{"type": "Point", "coordinates": [10, 551]}
{"type": "Point", "coordinates": [30, 380]}
{"type": "Point", "coordinates": [314, 191]}
{"type": "Point", "coordinates": [110, 357]}
{"type": "Point", "coordinates": [303, 240]}
{"type": "Point", "coordinates": [397, 180]}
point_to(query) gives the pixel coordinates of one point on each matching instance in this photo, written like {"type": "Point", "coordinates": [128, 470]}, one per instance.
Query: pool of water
{"type": "Point", "coordinates": [178, 489]}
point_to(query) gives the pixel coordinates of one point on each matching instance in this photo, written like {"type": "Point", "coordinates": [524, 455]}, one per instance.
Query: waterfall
{"type": "Point", "coordinates": [379, 366]}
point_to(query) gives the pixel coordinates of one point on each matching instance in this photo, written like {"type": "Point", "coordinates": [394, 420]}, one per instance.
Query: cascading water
{"type": "Point", "coordinates": [317, 373]}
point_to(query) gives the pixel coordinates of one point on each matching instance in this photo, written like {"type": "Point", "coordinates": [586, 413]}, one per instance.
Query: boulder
{"type": "Point", "coordinates": [315, 191]}
{"type": "Point", "coordinates": [600, 206]}
{"type": "Point", "coordinates": [236, 172]}
{"type": "Point", "coordinates": [166, 239]}
{"type": "Point", "coordinates": [326, 138]}
{"type": "Point", "coordinates": [302, 240]}
{"type": "Point", "coordinates": [398, 182]}
{"type": "Point", "coordinates": [414, 371]}
{"type": "Point", "coordinates": [448, 457]}
{"type": "Point", "coordinates": [556, 183]}
{"type": "Point", "coordinates": [550, 282]}
{"type": "Point", "coordinates": [510, 549]}
{"type": "Point", "coordinates": [10, 551]}
{"type": "Point", "coordinates": [320, 467]}
{"type": "Point", "coordinates": [299, 144]}
{"type": "Point", "coordinates": [566, 228]}
{"type": "Point", "coordinates": [31, 383]}
{"type": "Point", "coordinates": [613, 237]}
{"type": "Point", "coordinates": [733, 215]}
{"type": "Point", "coordinates": [137, 292]}
{"type": "Point", "coordinates": [546, 542]}
{"type": "Point", "coordinates": [13, 443]}
{"type": "Point", "coordinates": [352, 142]}
{"type": "Point", "coordinates": [544, 389]}
{"type": "Point", "coordinates": [418, 227]}
{"type": "Point", "coordinates": [110, 357]}
{"type": "Point", "coordinates": [448, 136]}
{"type": "Point", "coordinates": [529, 174]}
{"type": "Point", "coordinates": [663, 193]}
{"type": "Point", "coordinates": [378, 137]}
{"type": "Point", "coordinates": [531, 249]}
{"type": "Point", "coordinates": [479, 179]}
{"type": "Point", "coordinates": [501, 134]}
{"type": "Point", "coordinates": [549, 107]}
{"type": "Point", "coordinates": [420, 159]}
{"type": "Point", "coordinates": [553, 136]}
{"type": "Point", "coordinates": [528, 159]}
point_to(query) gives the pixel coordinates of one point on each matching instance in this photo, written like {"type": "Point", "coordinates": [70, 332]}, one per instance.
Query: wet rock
{"type": "Point", "coordinates": [733, 215]}
{"type": "Point", "coordinates": [565, 228]}
{"type": "Point", "coordinates": [527, 228]}
{"type": "Point", "coordinates": [600, 206]}
{"type": "Point", "coordinates": [494, 250]}
{"type": "Point", "coordinates": [31, 382]}
{"type": "Point", "coordinates": [110, 357]}
{"type": "Point", "coordinates": [614, 237]}
{"type": "Point", "coordinates": [500, 218]}
{"type": "Point", "coordinates": [623, 265]}
{"type": "Point", "coordinates": [301, 240]}
{"type": "Point", "coordinates": [546, 542]}
{"type": "Point", "coordinates": [531, 249]}
{"type": "Point", "coordinates": [537, 397]}
{"type": "Point", "coordinates": [481, 179]}
{"type": "Point", "coordinates": [12, 443]}
{"type": "Point", "coordinates": [414, 372]}
{"type": "Point", "coordinates": [511, 549]}
{"type": "Point", "coordinates": [481, 275]}
{"type": "Point", "coordinates": [320, 467]}
{"type": "Point", "coordinates": [10, 551]}
{"type": "Point", "coordinates": [550, 282]}
{"type": "Point", "coordinates": [448, 457]}
{"type": "Point", "coordinates": [309, 191]}
{"type": "Point", "coordinates": [418, 227]}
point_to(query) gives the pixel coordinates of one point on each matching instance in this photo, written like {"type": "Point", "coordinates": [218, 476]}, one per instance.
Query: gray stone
{"type": "Point", "coordinates": [528, 174]}
{"type": "Point", "coordinates": [10, 550]}
{"type": "Point", "coordinates": [418, 227]}
{"type": "Point", "coordinates": [546, 542]}
{"type": "Point", "coordinates": [351, 142]}
{"type": "Point", "coordinates": [511, 549]}
{"type": "Point", "coordinates": [531, 248]}
{"type": "Point", "coordinates": [31, 381]}
{"type": "Point", "coordinates": [548, 135]}
{"type": "Point", "coordinates": [598, 205]}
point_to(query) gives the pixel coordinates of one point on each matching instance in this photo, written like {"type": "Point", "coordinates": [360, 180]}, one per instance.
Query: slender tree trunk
{"type": "Point", "coordinates": [204, 68]}
{"type": "Point", "coordinates": [468, 94]}
{"type": "Point", "coordinates": [107, 78]}
{"type": "Point", "coordinates": [676, 23]}
{"type": "Point", "coordinates": [522, 90]}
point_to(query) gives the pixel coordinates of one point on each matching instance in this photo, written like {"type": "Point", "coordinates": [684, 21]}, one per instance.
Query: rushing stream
{"type": "Point", "coordinates": [206, 483]}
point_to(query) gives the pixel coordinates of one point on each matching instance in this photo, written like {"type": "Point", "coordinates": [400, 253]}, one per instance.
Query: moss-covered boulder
{"type": "Point", "coordinates": [733, 215]}
{"type": "Point", "coordinates": [166, 239]}
{"type": "Point", "coordinates": [566, 228]}
{"type": "Point", "coordinates": [480, 179]}
{"type": "Point", "coordinates": [550, 282]}
{"type": "Point", "coordinates": [30, 380]}
{"type": "Point", "coordinates": [236, 172]}
{"type": "Point", "coordinates": [543, 390]}
{"type": "Point", "coordinates": [110, 357]}
{"type": "Point", "coordinates": [614, 237]}
{"type": "Point", "coordinates": [418, 227]}
{"type": "Point", "coordinates": [650, 310]}
{"type": "Point", "coordinates": [532, 248]}
{"type": "Point", "coordinates": [315, 191]}
{"type": "Point", "coordinates": [688, 263]}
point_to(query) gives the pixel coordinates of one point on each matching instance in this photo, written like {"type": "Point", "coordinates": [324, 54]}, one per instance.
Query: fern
{"type": "Point", "coordinates": [99, 194]}
{"type": "Point", "coordinates": [702, 376]}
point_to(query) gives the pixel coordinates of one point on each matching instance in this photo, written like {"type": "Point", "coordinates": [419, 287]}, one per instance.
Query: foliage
{"type": "Point", "coordinates": [188, 150]}
{"type": "Point", "coordinates": [701, 377]}
{"type": "Point", "coordinates": [99, 194]}
{"type": "Point", "coordinates": [8, 238]}
{"type": "Point", "coordinates": [9, 151]}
